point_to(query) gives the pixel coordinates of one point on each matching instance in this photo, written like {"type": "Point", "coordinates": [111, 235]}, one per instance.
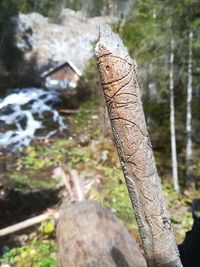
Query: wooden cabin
{"type": "Point", "coordinates": [62, 76]}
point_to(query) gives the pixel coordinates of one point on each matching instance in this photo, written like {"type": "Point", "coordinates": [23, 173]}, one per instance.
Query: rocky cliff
{"type": "Point", "coordinates": [72, 39]}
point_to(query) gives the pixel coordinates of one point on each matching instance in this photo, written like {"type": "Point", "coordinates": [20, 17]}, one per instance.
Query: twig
{"type": "Point", "coordinates": [65, 179]}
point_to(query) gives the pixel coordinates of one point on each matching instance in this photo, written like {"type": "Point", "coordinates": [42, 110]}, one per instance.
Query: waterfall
{"type": "Point", "coordinates": [27, 114]}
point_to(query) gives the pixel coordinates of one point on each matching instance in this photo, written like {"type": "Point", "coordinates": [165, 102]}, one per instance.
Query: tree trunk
{"type": "Point", "coordinates": [119, 80]}
{"type": "Point", "coordinates": [189, 169]}
{"type": "Point", "coordinates": [172, 121]}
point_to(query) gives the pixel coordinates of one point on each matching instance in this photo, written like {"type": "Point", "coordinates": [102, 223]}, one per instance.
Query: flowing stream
{"type": "Point", "coordinates": [28, 114]}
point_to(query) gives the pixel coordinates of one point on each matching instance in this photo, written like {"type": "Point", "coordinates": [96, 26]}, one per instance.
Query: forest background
{"type": "Point", "coordinates": [164, 38]}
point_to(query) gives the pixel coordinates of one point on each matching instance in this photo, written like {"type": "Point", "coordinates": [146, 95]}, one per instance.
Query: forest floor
{"type": "Point", "coordinates": [29, 187]}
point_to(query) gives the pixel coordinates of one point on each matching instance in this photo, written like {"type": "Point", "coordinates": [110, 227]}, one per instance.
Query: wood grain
{"type": "Point", "coordinates": [119, 81]}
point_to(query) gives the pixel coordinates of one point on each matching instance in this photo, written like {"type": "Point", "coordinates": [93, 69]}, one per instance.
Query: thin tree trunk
{"type": "Point", "coordinates": [119, 80]}
{"type": "Point", "coordinates": [172, 121]}
{"type": "Point", "coordinates": [189, 169]}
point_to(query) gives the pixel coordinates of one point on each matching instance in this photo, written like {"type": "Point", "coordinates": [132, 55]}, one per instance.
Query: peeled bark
{"type": "Point", "coordinates": [172, 121]}
{"type": "Point", "coordinates": [119, 81]}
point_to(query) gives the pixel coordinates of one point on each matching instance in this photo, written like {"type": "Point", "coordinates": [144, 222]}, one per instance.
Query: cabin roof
{"type": "Point", "coordinates": [59, 66]}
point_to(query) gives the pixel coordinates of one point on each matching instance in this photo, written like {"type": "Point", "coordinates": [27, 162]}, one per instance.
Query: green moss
{"type": "Point", "coordinates": [84, 113]}
{"type": "Point", "coordinates": [47, 227]}
{"type": "Point", "coordinates": [37, 253]}
{"type": "Point", "coordinates": [180, 210]}
{"type": "Point", "coordinates": [83, 122]}
{"type": "Point", "coordinates": [115, 195]}
{"type": "Point", "coordinates": [35, 167]}
{"type": "Point", "coordinates": [29, 180]}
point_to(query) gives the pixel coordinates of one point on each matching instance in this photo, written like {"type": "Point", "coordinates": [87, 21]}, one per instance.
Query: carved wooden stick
{"type": "Point", "coordinates": [119, 81]}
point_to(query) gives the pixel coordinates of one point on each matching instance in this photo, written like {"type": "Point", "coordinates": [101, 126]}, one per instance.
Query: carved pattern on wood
{"type": "Point", "coordinates": [119, 81]}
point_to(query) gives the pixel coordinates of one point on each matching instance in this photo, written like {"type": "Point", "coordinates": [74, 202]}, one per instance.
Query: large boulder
{"type": "Point", "coordinates": [89, 235]}
{"type": "Point", "coordinates": [70, 40]}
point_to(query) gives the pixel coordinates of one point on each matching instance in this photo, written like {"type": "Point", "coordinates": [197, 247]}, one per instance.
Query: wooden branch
{"type": "Point", "coordinates": [75, 189]}
{"type": "Point", "coordinates": [30, 222]}
{"type": "Point", "coordinates": [65, 179]}
{"type": "Point", "coordinates": [78, 183]}
{"type": "Point", "coordinates": [119, 81]}
{"type": "Point", "coordinates": [69, 111]}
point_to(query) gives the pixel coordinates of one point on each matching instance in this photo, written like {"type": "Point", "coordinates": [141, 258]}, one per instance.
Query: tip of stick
{"type": "Point", "coordinates": [109, 42]}
{"type": "Point", "coordinates": [105, 31]}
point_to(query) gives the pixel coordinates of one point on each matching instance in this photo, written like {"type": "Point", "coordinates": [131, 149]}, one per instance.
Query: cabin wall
{"type": "Point", "coordinates": [65, 73]}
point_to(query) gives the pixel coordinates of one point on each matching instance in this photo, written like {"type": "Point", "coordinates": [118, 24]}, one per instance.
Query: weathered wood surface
{"type": "Point", "coordinates": [89, 235]}
{"type": "Point", "coordinates": [119, 81]}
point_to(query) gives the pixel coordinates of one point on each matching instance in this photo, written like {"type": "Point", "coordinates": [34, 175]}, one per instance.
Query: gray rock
{"type": "Point", "coordinates": [89, 235]}
{"type": "Point", "coordinates": [71, 40]}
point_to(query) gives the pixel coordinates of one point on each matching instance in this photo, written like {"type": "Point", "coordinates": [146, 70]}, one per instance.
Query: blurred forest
{"type": "Point", "coordinates": [164, 38]}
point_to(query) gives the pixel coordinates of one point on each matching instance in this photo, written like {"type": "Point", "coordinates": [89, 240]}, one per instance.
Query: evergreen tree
{"type": "Point", "coordinates": [148, 33]}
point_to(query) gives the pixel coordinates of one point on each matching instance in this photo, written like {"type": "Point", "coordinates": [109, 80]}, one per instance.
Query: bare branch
{"type": "Point", "coordinates": [30, 222]}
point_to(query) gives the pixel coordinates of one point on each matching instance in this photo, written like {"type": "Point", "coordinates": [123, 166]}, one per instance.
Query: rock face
{"type": "Point", "coordinates": [70, 40]}
{"type": "Point", "coordinates": [89, 235]}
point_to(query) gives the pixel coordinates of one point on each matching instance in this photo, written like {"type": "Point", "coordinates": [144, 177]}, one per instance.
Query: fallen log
{"type": "Point", "coordinates": [119, 81]}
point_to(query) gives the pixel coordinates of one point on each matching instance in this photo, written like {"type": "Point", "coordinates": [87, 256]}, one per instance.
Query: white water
{"type": "Point", "coordinates": [24, 112]}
